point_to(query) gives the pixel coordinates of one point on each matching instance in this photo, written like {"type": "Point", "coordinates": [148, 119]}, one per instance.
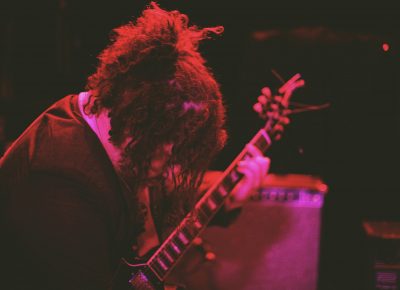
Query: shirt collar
{"type": "Point", "coordinates": [100, 125]}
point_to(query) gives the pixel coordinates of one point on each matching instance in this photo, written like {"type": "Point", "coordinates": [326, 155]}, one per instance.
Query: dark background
{"type": "Point", "coordinates": [48, 48]}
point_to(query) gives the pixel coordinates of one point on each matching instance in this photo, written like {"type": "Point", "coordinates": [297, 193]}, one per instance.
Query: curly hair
{"type": "Point", "coordinates": [158, 90]}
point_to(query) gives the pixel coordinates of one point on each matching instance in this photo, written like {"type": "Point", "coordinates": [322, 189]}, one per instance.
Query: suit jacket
{"type": "Point", "coordinates": [64, 214]}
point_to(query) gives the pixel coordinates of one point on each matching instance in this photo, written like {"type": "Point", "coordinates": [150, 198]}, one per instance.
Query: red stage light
{"type": "Point", "coordinates": [385, 47]}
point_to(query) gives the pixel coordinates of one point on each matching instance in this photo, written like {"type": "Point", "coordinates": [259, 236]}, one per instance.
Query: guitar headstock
{"type": "Point", "coordinates": [274, 108]}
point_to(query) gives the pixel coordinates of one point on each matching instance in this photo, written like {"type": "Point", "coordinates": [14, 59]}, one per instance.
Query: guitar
{"type": "Point", "coordinates": [152, 274]}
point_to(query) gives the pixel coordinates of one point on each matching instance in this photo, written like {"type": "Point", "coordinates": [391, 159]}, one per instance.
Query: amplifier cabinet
{"type": "Point", "coordinates": [273, 244]}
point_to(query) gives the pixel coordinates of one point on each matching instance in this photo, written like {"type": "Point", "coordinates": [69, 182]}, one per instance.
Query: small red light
{"type": "Point", "coordinates": [385, 47]}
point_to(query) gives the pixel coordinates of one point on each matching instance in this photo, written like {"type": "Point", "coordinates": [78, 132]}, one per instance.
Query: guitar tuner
{"type": "Point", "coordinates": [274, 107]}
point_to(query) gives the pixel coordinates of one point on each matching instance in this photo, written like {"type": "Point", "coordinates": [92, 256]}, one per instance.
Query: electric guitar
{"type": "Point", "coordinates": [152, 274]}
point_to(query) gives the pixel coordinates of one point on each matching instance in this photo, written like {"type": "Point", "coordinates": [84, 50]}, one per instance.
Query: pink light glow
{"type": "Point", "coordinates": [385, 47]}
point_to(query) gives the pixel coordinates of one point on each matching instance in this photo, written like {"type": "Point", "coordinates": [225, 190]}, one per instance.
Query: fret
{"type": "Point", "coordinates": [262, 141]}
{"type": "Point", "coordinates": [217, 197]}
{"type": "Point", "coordinates": [222, 190]}
{"type": "Point", "coordinates": [164, 259]}
{"type": "Point", "coordinates": [171, 251]}
{"type": "Point", "coordinates": [234, 176]}
{"type": "Point", "coordinates": [162, 263]}
{"type": "Point", "coordinates": [183, 238]}
{"type": "Point", "coordinates": [201, 217]}
{"type": "Point", "coordinates": [192, 229]}
{"type": "Point", "coordinates": [158, 270]}
{"type": "Point", "coordinates": [228, 183]}
{"type": "Point", "coordinates": [188, 231]}
{"type": "Point", "coordinates": [175, 247]}
{"type": "Point", "coordinates": [211, 204]}
{"type": "Point", "coordinates": [193, 224]}
{"type": "Point", "coordinates": [170, 259]}
{"type": "Point", "coordinates": [206, 210]}
{"type": "Point", "coordinates": [198, 225]}
{"type": "Point", "coordinates": [246, 156]}
{"type": "Point", "coordinates": [178, 243]}
{"type": "Point", "coordinates": [262, 144]}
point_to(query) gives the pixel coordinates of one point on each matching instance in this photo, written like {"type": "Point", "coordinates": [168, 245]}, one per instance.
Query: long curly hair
{"type": "Point", "coordinates": [158, 90]}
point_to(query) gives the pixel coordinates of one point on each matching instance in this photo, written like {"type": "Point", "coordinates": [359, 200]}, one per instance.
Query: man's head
{"type": "Point", "coordinates": [159, 91]}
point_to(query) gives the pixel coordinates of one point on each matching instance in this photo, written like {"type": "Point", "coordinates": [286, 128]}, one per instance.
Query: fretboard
{"type": "Point", "coordinates": [167, 255]}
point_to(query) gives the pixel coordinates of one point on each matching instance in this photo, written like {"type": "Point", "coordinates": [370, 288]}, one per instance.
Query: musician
{"type": "Point", "coordinates": [108, 172]}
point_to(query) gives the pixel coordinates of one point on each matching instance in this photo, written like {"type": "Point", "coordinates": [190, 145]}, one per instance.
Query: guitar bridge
{"type": "Point", "coordinates": [140, 281]}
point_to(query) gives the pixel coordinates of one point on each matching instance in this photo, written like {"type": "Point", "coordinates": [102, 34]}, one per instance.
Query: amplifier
{"type": "Point", "coordinates": [273, 244]}
{"type": "Point", "coordinates": [383, 249]}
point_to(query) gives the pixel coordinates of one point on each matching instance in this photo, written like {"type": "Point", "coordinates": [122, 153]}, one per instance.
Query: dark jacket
{"type": "Point", "coordinates": [63, 212]}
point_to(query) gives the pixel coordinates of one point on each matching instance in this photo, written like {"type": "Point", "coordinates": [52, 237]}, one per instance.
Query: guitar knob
{"type": "Point", "coordinates": [197, 241]}
{"type": "Point", "coordinates": [205, 249]}
{"type": "Point", "coordinates": [210, 256]}
{"type": "Point", "coordinates": [258, 107]}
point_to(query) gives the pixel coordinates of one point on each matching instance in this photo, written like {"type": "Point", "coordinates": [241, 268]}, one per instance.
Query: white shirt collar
{"type": "Point", "coordinates": [100, 124]}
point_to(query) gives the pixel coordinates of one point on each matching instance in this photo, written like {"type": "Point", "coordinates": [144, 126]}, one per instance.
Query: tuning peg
{"type": "Point", "coordinates": [258, 108]}
{"type": "Point", "coordinates": [266, 91]}
{"type": "Point", "coordinates": [285, 120]}
{"type": "Point", "coordinates": [262, 100]}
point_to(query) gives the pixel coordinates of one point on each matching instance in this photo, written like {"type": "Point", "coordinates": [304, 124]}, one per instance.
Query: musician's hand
{"type": "Point", "coordinates": [254, 169]}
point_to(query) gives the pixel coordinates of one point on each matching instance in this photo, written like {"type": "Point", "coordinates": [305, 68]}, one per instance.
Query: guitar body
{"type": "Point", "coordinates": [138, 277]}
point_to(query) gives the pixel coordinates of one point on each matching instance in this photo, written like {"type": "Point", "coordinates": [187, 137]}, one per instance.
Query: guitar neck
{"type": "Point", "coordinates": [167, 255]}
